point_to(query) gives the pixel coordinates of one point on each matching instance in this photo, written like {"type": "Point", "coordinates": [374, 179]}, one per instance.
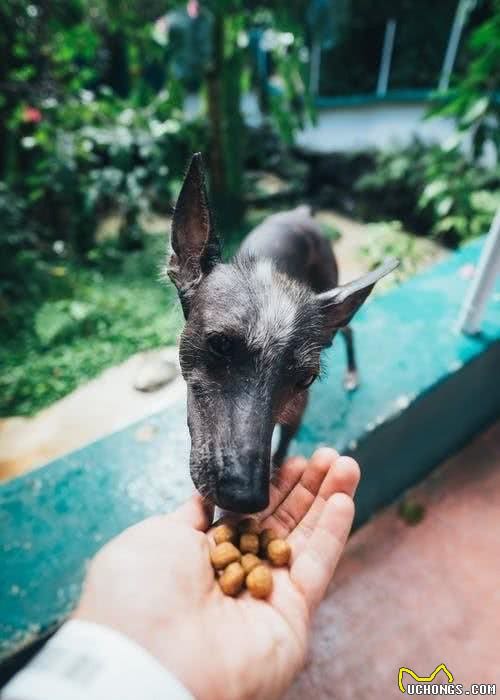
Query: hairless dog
{"type": "Point", "coordinates": [255, 328]}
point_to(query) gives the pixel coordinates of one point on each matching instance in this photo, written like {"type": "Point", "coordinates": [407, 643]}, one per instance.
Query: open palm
{"type": "Point", "coordinates": [219, 647]}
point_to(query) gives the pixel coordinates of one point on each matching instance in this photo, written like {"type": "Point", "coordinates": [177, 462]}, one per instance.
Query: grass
{"type": "Point", "coordinates": [83, 320]}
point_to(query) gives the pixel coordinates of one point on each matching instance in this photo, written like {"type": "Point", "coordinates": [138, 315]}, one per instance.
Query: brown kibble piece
{"type": "Point", "coordinates": [225, 533]}
{"type": "Point", "coordinates": [232, 579]}
{"type": "Point", "coordinates": [260, 582]}
{"type": "Point", "coordinates": [266, 536]}
{"type": "Point", "coordinates": [278, 552]}
{"type": "Point", "coordinates": [248, 525]}
{"type": "Point", "coordinates": [249, 561]}
{"type": "Point", "coordinates": [224, 554]}
{"type": "Point", "coordinates": [249, 543]}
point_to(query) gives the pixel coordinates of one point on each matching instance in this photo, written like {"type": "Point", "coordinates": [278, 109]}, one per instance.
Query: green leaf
{"type": "Point", "coordinates": [476, 111]}
{"type": "Point", "coordinates": [444, 205]}
{"type": "Point", "coordinates": [52, 321]}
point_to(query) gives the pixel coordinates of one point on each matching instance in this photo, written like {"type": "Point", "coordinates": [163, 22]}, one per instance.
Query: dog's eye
{"type": "Point", "coordinates": [219, 344]}
{"type": "Point", "coordinates": [306, 382]}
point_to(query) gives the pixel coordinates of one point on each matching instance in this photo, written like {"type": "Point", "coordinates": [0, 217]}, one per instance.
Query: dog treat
{"type": "Point", "coordinates": [278, 552]}
{"type": "Point", "coordinates": [249, 543]}
{"type": "Point", "coordinates": [249, 561]}
{"type": "Point", "coordinates": [266, 536]}
{"type": "Point", "coordinates": [224, 554]}
{"type": "Point", "coordinates": [248, 525]}
{"type": "Point", "coordinates": [235, 560]}
{"type": "Point", "coordinates": [232, 579]}
{"type": "Point", "coordinates": [260, 582]}
{"type": "Point", "coordinates": [225, 533]}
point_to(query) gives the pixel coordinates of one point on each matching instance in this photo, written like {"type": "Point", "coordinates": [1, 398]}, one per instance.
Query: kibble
{"type": "Point", "coordinates": [225, 533]}
{"type": "Point", "coordinates": [260, 582]}
{"type": "Point", "coordinates": [232, 579]}
{"type": "Point", "coordinates": [278, 552]}
{"type": "Point", "coordinates": [224, 554]}
{"type": "Point", "coordinates": [265, 537]}
{"type": "Point", "coordinates": [235, 561]}
{"type": "Point", "coordinates": [249, 543]}
{"type": "Point", "coordinates": [249, 561]}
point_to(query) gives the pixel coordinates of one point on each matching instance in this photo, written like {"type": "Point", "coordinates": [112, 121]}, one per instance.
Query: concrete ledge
{"type": "Point", "coordinates": [425, 390]}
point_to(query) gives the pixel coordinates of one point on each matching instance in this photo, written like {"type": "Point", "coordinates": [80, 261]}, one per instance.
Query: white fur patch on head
{"type": "Point", "coordinates": [276, 308]}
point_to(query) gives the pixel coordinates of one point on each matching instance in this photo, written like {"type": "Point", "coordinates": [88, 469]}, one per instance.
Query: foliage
{"type": "Point", "coordinates": [17, 244]}
{"type": "Point", "coordinates": [388, 239]}
{"type": "Point", "coordinates": [432, 190]}
{"type": "Point", "coordinates": [462, 197]}
{"type": "Point", "coordinates": [390, 187]}
{"type": "Point", "coordinates": [475, 101]}
{"type": "Point", "coordinates": [96, 318]}
{"type": "Point", "coordinates": [94, 153]}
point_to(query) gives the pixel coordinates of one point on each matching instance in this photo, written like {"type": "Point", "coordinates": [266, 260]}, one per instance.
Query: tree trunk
{"type": "Point", "coordinates": [226, 149]}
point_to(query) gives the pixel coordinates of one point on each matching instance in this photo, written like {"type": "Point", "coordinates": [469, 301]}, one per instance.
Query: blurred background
{"type": "Point", "coordinates": [382, 114]}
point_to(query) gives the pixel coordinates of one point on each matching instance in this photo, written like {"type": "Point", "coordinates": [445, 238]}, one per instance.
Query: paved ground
{"type": "Point", "coordinates": [105, 404]}
{"type": "Point", "coordinates": [417, 596]}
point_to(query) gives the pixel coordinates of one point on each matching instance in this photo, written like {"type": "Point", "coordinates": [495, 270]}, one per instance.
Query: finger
{"type": "Point", "coordinates": [342, 477]}
{"type": "Point", "coordinates": [294, 507]}
{"type": "Point", "coordinates": [313, 568]}
{"type": "Point", "coordinates": [284, 482]}
{"type": "Point", "coordinates": [195, 512]}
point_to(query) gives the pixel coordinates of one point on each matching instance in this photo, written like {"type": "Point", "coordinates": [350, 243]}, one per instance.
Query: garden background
{"type": "Point", "coordinates": [95, 135]}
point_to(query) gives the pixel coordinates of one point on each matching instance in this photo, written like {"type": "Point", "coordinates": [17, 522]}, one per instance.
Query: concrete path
{"type": "Point", "coordinates": [105, 404]}
{"type": "Point", "coordinates": [417, 596]}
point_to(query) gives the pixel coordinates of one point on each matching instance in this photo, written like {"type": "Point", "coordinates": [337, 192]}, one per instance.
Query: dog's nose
{"type": "Point", "coordinates": [234, 497]}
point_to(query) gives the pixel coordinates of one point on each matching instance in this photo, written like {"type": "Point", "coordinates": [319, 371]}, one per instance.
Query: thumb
{"type": "Point", "coordinates": [195, 512]}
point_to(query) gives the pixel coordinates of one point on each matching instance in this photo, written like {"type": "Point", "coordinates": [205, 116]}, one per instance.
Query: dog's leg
{"type": "Point", "coordinates": [290, 425]}
{"type": "Point", "coordinates": [351, 379]}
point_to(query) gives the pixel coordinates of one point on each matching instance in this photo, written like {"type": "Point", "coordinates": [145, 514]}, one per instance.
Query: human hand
{"type": "Point", "coordinates": [154, 583]}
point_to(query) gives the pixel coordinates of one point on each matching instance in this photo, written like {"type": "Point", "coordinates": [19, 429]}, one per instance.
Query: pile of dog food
{"type": "Point", "coordinates": [241, 557]}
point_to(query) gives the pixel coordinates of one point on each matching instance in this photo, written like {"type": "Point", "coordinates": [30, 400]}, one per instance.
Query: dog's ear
{"type": "Point", "coordinates": [195, 246]}
{"type": "Point", "coordinates": [340, 304]}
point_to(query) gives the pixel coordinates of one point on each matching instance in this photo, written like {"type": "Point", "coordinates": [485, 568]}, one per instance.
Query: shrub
{"type": "Point", "coordinates": [433, 190]}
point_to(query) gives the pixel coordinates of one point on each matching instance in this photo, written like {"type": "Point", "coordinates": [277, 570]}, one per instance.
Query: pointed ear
{"type": "Point", "coordinates": [340, 304]}
{"type": "Point", "coordinates": [195, 245]}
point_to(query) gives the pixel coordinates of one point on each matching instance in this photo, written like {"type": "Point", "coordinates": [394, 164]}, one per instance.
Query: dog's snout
{"type": "Point", "coordinates": [240, 500]}
{"type": "Point", "coordinates": [243, 494]}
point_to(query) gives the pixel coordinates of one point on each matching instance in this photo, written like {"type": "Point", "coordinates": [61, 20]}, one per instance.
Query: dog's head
{"type": "Point", "coordinates": [250, 348]}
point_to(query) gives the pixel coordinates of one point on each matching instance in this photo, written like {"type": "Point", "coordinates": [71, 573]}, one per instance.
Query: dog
{"type": "Point", "coordinates": [255, 328]}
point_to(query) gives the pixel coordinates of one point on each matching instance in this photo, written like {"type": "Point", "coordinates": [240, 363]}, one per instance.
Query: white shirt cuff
{"type": "Point", "coordinates": [86, 661]}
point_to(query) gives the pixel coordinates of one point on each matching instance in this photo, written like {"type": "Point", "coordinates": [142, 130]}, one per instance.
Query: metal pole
{"type": "Point", "coordinates": [315, 66]}
{"type": "Point", "coordinates": [482, 285]}
{"type": "Point", "coordinates": [461, 14]}
{"type": "Point", "coordinates": [385, 63]}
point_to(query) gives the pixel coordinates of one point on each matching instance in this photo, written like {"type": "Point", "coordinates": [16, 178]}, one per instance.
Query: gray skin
{"type": "Point", "coordinates": [255, 328]}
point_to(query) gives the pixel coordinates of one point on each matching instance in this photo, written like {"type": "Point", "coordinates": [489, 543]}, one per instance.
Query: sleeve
{"type": "Point", "coordinates": [86, 661]}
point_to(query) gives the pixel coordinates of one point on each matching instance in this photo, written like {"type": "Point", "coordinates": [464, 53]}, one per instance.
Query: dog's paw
{"type": "Point", "coordinates": [351, 381]}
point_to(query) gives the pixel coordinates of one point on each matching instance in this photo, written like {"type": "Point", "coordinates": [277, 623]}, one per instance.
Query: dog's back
{"type": "Point", "coordinates": [293, 240]}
